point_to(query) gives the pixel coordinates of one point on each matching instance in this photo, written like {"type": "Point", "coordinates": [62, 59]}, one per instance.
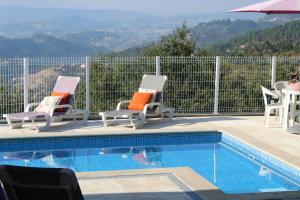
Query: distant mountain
{"type": "Point", "coordinates": [20, 21]}
{"type": "Point", "coordinates": [108, 42]}
{"type": "Point", "coordinates": [84, 32]}
{"type": "Point", "coordinates": [216, 31]}
{"type": "Point", "coordinates": [23, 21]}
{"type": "Point", "coordinates": [41, 45]}
{"type": "Point", "coordinates": [104, 41]}
{"type": "Point", "coordinates": [231, 37]}
{"type": "Point", "coordinates": [123, 29]}
{"type": "Point", "coordinates": [280, 18]}
{"type": "Point", "coordinates": [206, 34]}
{"type": "Point", "coordinates": [282, 40]}
{"type": "Point", "coordinates": [24, 14]}
{"type": "Point", "coordinates": [73, 44]}
{"type": "Point", "coordinates": [209, 33]}
{"type": "Point", "coordinates": [54, 26]}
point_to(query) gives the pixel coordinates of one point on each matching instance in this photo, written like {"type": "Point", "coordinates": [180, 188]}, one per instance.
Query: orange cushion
{"type": "Point", "coordinates": [64, 99]}
{"type": "Point", "coordinates": [139, 100]}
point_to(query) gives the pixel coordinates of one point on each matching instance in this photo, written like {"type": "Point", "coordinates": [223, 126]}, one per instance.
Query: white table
{"type": "Point", "coordinates": [289, 101]}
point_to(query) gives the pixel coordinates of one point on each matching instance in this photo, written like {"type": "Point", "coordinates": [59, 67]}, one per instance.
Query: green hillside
{"type": "Point", "coordinates": [279, 40]}
{"type": "Point", "coordinates": [222, 30]}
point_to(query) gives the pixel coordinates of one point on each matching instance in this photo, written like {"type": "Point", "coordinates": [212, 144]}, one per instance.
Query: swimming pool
{"type": "Point", "coordinates": [231, 165]}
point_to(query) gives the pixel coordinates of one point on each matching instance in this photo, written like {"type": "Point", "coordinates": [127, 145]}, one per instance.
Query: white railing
{"type": "Point", "coordinates": [195, 85]}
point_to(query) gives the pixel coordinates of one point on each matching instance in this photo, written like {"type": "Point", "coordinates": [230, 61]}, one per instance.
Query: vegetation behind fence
{"type": "Point", "coordinates": [191, 86]}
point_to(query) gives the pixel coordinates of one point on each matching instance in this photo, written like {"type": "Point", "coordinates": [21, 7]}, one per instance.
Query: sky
{"type": "Point", "coordinates": [154, 7]}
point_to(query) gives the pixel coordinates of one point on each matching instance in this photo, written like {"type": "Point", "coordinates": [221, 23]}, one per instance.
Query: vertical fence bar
{"type": "Point", "coordinates": [274, 63]}
{"type": "Point", "coordinates": [87, 88]}
{"type": "Point", "coordinates": [217, 84]}
{"type": "Point", "coordinates": [157, 65]}
{"type": "Point", "coordinates": [157, 72]}
{"type": "Point", "coordinates": [26, 81]}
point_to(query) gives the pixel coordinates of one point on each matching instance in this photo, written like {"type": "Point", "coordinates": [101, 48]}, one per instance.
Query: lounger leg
{"type": "Point", "coordinates": [104, 119]}
{"type": "Point", "coordinates": [9, 122]}
{"type": "Point", "coordinates": [162, 114]}
{"type": "Point", "coordinates": [169, 113]}
{"type": "Point", "coordinates": [280, 114]}
{"type": "Point", "coordinates": [86, 116]}
{"type": "Point", "coordinates": [46, 127]}
{"type": "Point", "coordinates": [141, 120]}
{"type": "Point", "coordinates": [172, 113]}
{"type": "Point", "coordinates": [34, 125]}
{"type": "Point", "coordinates": [268, 112]}
{"type": "Point", "coordinates": [132, 123]}
{"type": "Point", "coordinates": [14, 125]}
{"type": "Point", "coordinates": [72, 114]}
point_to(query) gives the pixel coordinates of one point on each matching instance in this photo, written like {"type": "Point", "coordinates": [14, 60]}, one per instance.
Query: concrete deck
{"type": "Point", "coordinates": [275, 141]}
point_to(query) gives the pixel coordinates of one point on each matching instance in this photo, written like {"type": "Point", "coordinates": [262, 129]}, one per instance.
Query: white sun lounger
{"type": "Point", "coordinates": [137, 118]}
{"type": "Point", "coordinates": [64, 84]}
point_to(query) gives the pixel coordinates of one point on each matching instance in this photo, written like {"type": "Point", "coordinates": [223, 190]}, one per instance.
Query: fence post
{"type": "Point", "coordinates": [274, 63]}
{"type": "Point", "coordinates": [26, 81]}
{"type": "Point", "coordinates": [157, 65]}
{"type": "Point", "coordinates": [217, 84]}
{"type": "Point", "coordinates": [87, 88]}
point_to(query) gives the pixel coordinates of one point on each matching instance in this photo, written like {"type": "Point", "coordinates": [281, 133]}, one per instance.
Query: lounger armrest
{"type": "Point", "coordinates": [150, 105]}
{"type": "Point", "coordinates": [121, 103]}
{"type": "Point", "coordinates": [59, 106]}
{"type": "Point", "coordinates": [30, 106]}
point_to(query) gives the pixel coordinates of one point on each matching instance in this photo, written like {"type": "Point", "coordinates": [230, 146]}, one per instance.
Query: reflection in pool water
{"type": "Point", "coordinates": [146, 156]}
{"type": "Point", "coordinates": [232, 172]}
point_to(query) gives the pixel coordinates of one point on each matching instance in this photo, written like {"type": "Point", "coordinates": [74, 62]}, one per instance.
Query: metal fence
{"type": "Point", "coordinates": [113, 79]}
{"type": "Point", "coordinates": [43, 72]}
{"type": "Point", "coordinates": [191, 83]}
{"type": "Point", "coordinates": [240, 80]}
{"type": "Point", "coordinates": [11, 86]}
{"type": "Point", "coordinates": [196, 85]}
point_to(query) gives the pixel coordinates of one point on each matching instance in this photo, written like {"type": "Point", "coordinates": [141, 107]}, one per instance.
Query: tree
{"type": "Point", "coordinates": [179, 43]}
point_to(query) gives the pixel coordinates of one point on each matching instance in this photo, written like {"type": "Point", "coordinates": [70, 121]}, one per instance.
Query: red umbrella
{"type": "Point", "coordinates": [273, 7]}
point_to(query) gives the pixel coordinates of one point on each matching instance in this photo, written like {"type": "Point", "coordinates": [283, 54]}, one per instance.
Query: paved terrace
{"type": "Point", "coordinates": [174, 183]}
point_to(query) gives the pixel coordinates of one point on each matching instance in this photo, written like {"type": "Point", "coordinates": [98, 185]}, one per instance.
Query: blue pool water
{"type": "Point", "coordinates": [232, 166]}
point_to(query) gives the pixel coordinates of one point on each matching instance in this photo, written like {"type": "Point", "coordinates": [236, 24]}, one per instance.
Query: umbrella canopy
{"type": "Point", "coordinates": [273, 7]}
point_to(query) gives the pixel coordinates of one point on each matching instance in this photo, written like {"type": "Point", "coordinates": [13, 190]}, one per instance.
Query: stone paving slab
{"type": "Point", "coordinates": [137, 186]}
{"type": "Point", "coordinates": [160, 183]}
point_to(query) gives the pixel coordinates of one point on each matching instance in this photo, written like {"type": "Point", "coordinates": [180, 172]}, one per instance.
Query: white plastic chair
{"type": "Point", "coordinates": [278, 106]}
{"type": "Point", "coordinates": [278, 86]}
